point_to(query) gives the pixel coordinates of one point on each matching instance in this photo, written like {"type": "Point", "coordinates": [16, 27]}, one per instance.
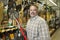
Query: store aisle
{"type": "Point", "coordinates": [56, 35]}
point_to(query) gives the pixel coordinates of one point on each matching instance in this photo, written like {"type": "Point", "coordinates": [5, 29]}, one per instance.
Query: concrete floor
{"type": "Point", "coordinates": [56, 35]}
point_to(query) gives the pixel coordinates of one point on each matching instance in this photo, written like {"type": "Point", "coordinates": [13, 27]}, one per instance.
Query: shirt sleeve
{"type": "Point", "coordinates": [43, 31]}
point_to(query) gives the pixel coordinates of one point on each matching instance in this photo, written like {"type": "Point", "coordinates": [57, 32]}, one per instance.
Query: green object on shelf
{"type": "Point", "coordinates": [10, 22]}
{"type": "Point", "coordinates": [24, 25]}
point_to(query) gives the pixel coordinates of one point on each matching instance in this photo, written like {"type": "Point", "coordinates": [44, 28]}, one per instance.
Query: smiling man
{"type": "Point", "coordinates": [37, 28]}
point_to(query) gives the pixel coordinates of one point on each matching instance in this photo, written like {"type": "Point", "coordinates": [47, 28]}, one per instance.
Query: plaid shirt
{"type": "Point", "coordinates": [37, 29]}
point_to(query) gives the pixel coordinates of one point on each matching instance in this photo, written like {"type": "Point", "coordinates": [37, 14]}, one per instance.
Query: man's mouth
{"type": "Point", "coordinates": [32, 13]}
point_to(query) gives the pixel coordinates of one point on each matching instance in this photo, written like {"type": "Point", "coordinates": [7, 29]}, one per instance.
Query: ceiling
{"type": "Point", "coordinates": [51, 4]}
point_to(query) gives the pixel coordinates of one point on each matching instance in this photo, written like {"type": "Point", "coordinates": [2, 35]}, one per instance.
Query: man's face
{"type": "Point", "coordinates": [33, 11]}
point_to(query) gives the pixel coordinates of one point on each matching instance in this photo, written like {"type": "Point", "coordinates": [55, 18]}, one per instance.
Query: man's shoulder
{"type": "Point", "coordinates": [41, 19]}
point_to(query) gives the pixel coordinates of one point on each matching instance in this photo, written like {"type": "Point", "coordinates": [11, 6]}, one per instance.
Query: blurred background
{"type": "Point", "coordinates": [10, 10]}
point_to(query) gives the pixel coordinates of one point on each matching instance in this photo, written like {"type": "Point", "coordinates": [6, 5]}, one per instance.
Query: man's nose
{"type": "Point", "coordinates": [32, 11]}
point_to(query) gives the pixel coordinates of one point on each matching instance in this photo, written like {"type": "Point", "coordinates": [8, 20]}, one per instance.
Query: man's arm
{"type": "Point", "coordinates": [44, 31]}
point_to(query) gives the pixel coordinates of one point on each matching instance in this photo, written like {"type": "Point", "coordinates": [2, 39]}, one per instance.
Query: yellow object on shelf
{"type": "Point", "coordinates": [12, 36]}
{"type": "Point", "coordinates": [1, 11]}
{"type": "Point", "coordinates": [18, 2]}
{"type": "Point", "coordinates": [14, 23]}
{"type": "Point", "coordinates": [6, 30]}
{"type": "Point", "coordinates": [48, 16]}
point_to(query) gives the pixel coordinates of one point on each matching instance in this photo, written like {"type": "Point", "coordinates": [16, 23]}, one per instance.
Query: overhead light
{"type": "Point", "coordinates": [53, 2]}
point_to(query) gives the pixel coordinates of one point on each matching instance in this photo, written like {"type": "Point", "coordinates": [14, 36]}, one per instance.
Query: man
{"type": "Point", "coordinates": [37, 28]}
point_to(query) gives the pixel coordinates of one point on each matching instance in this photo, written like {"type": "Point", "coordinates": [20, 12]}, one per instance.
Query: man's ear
{"type": "Point", "coordinates": [37, 11]}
